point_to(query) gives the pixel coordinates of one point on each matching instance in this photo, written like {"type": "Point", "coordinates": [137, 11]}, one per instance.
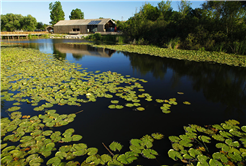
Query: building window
{"type": "Point", "coordinates": [75, 29]}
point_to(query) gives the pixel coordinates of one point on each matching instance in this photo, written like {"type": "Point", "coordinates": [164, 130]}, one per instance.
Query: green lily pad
{"type": "Point", "coordinates": [112, 106]}
{"type": "Point", "coordinates": [149, 153]}
{"type": "Point", "coordinates": [115, 146]}
{"type": "Point", "coordinates": [15, 108]}
{"type": "Point", "coordinates": [140, 109]}
{"type": "Point", "coordinates": [187, 103]}
{"type": "Point", "coordinates": [92, 151]}
{"type": "Point", "coordinates": [157, 136]}
{"type": "Point", "coordinates": [114, 101]}
{"type": "Point", "coordinates": [174, 155]}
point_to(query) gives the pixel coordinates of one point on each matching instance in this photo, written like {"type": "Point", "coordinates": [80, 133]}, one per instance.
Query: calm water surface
{"type": "Point", "coordinates": [216, 93]}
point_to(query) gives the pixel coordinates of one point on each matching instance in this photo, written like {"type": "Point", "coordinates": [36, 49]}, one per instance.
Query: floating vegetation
{"type": "Point", "coordinates": [191, 148]}
{"type": "Point", "coordinates": [166, 107]}
{"type": "Point", "coordinates": [35, 139]}
{"type": "Point", "coordinates": [186, 102]}
{"type": "Point", "coordinates": [190, 55]}
{"type": "Point", "coordinates": [35, 76]}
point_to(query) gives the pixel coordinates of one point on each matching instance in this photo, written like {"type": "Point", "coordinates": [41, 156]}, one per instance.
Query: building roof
{"type": "Point", "coordinates": [84, 22]}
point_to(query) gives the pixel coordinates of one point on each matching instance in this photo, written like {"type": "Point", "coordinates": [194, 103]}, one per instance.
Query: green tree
{"type": "Point", "coordinates": [165, 9]}
{"type": "Point", "coordinates": [11, 22]}
{"type": "Point", "coordinates": [150, 12]}
{"type": "Point", "coordinates": [184, 7]}
{"type": "Point", "coordinates": [76, 14]}
{"type": "Point", "coordinates": [56, 13]}
{"type": "Point", "coordinates": [29, 23]}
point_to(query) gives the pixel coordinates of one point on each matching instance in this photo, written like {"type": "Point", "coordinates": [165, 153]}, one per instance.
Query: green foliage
{"type": "Point", "coordinates": [76, 14]}
{"type": "Point", "coordinates": [11, 22]}
{"type": "Point", "coordinates": [115, 146]}
{"type": "Point", "coordinates": [56, 12]}
{"type": "Point", "coordinates": [195, 149]}
{"type": "Point", "coordinates": [216, 26]}
{"type": "Point", "coordinates": [190, 55]}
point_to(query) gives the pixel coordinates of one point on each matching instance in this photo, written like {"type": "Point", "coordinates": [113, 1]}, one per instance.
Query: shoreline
{"type": "Point", "coordinates": [190, 55]}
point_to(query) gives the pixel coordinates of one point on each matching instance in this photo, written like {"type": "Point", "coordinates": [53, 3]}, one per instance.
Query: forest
{"type": "Point", "coordinates": [215, 26]}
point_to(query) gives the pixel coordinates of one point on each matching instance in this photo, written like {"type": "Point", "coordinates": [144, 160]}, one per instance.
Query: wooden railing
{"type": "Point", "coordinates": [25, 32]}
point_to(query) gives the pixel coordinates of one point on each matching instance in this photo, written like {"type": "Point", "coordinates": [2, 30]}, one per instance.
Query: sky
{"type": "Point", "coordinates": [117, 9]}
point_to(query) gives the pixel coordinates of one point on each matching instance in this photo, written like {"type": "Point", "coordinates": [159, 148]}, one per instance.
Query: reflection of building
{"type": "Point", "coordinates": [84, 26]}
{"type": "Point", "coordinates": [80, 49]}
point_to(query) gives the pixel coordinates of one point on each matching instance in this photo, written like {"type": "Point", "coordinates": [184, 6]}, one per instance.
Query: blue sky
{"type": "Point", "coordinates": [116, 9]}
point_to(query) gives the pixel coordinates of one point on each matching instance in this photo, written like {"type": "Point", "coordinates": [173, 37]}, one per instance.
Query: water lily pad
{"type": "Point", "coordinates": [119, 106]}
{"type": "Point", "coordinates": [54, 161]}
{"type": "Point", "coordinates": [92, 151]}
{"type": "Point", "coordinates": [157, 136]}
{"type": "Point", "coordinates": [140, 109]}
{"type": "Point", "coordinates": [115, 146]}
{"type": "Point", "coordinates": [114, 101]}
{"type": "Point", "coordinates": [112, 106]}
{"type": "Point", "coordinates": [15, 108]}
{"type": "Point", "coordinates": [174, 155]}
{"type": "Point", "coordinates": [129, 105]}
{"type": "Point", "coordinates": [76, 137]}
{"type": "Point", "coordinates": [149, 153]}
{"type": "Point", "coordinates": [187, 103]}
{"type": "Point", "coordinates": [126, 159]}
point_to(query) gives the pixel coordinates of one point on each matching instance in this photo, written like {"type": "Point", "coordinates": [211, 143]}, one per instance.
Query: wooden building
{"type": "Point", "coordinates": [84, 26]}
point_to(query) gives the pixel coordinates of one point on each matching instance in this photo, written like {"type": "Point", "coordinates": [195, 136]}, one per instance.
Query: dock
{"type": "Point", "coordinates": [20, 35]}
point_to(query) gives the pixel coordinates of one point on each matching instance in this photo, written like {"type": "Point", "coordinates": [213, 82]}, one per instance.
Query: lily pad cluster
{"type": "Point", "coordinates": [167, 104]}
{"type": "Point", "coordinates": [33, 137]}
{"type": "Point", "coordinates": [192, 147]}
{"type": "Point", "coordinates": [35, 77]}
{"type": "Point", "coordinates": [35, 140]}
{"type": "Point", "coordinates": [138, 147]}
{"type": "Point", "coordinates": [190, 55]}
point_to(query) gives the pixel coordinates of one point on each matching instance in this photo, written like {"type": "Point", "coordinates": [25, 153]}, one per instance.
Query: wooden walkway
{"type": "Point", "coordinates": [18, 35]}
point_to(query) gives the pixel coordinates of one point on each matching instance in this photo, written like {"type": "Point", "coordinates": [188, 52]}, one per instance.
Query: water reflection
{"type": "Point", "coordinates": [79, 50]}
{"type": "Point", "coordinates": [219, 83]}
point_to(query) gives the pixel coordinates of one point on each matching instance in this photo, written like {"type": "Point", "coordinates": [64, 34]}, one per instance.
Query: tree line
{"type": "Point", "coordinates": [11, 22]}
{"type": "Point", "coordinates": [216, 26]}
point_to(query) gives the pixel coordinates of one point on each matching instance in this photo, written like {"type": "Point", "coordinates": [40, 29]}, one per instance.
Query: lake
{"type": "Point", "coordinates": [216, 92]}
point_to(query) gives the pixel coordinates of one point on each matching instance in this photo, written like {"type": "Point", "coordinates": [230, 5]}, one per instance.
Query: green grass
{"type": "Point", "coordinates": [190, 55]}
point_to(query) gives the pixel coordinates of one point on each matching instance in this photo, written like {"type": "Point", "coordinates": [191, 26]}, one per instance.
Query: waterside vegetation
{"type": "Point", "coordinates": [215, 26]}
{"type": "Point", "coordinates": [190, 55]}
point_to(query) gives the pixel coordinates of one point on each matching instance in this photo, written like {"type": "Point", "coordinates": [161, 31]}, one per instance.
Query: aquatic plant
{"type": "Point", "coordinates": [35, 139]}
{"type": "Point", "coordinates": [192, 147]}
{"type": "Point", "coordinates": [34, 76]}
{"type": "Point", "coordinates": [190, 55]}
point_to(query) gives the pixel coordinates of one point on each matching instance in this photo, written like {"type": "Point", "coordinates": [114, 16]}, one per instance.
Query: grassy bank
{"type": "Point", "coordinates": [191, 55]}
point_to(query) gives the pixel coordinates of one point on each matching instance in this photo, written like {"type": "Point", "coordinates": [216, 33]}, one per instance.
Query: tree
{"type": "Point", "coordinates": [228, 13]}
{"type": "Point", "coordinates": [150, 12]}
{"type": "Point", "coordinates": [76, 14]}
{"type": "Point", "coordinates": [41, 26]}
{"type": "Point", "coordinates": [11, 22]}
{"type": "Point", "coordinates": [184, 7]}
{"type": "Point", "coordinates": [165, 9]}
{"type": "Point", "coordinates": [29, 23]}
{"type": "Point", "coordinates": [56, 13]}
